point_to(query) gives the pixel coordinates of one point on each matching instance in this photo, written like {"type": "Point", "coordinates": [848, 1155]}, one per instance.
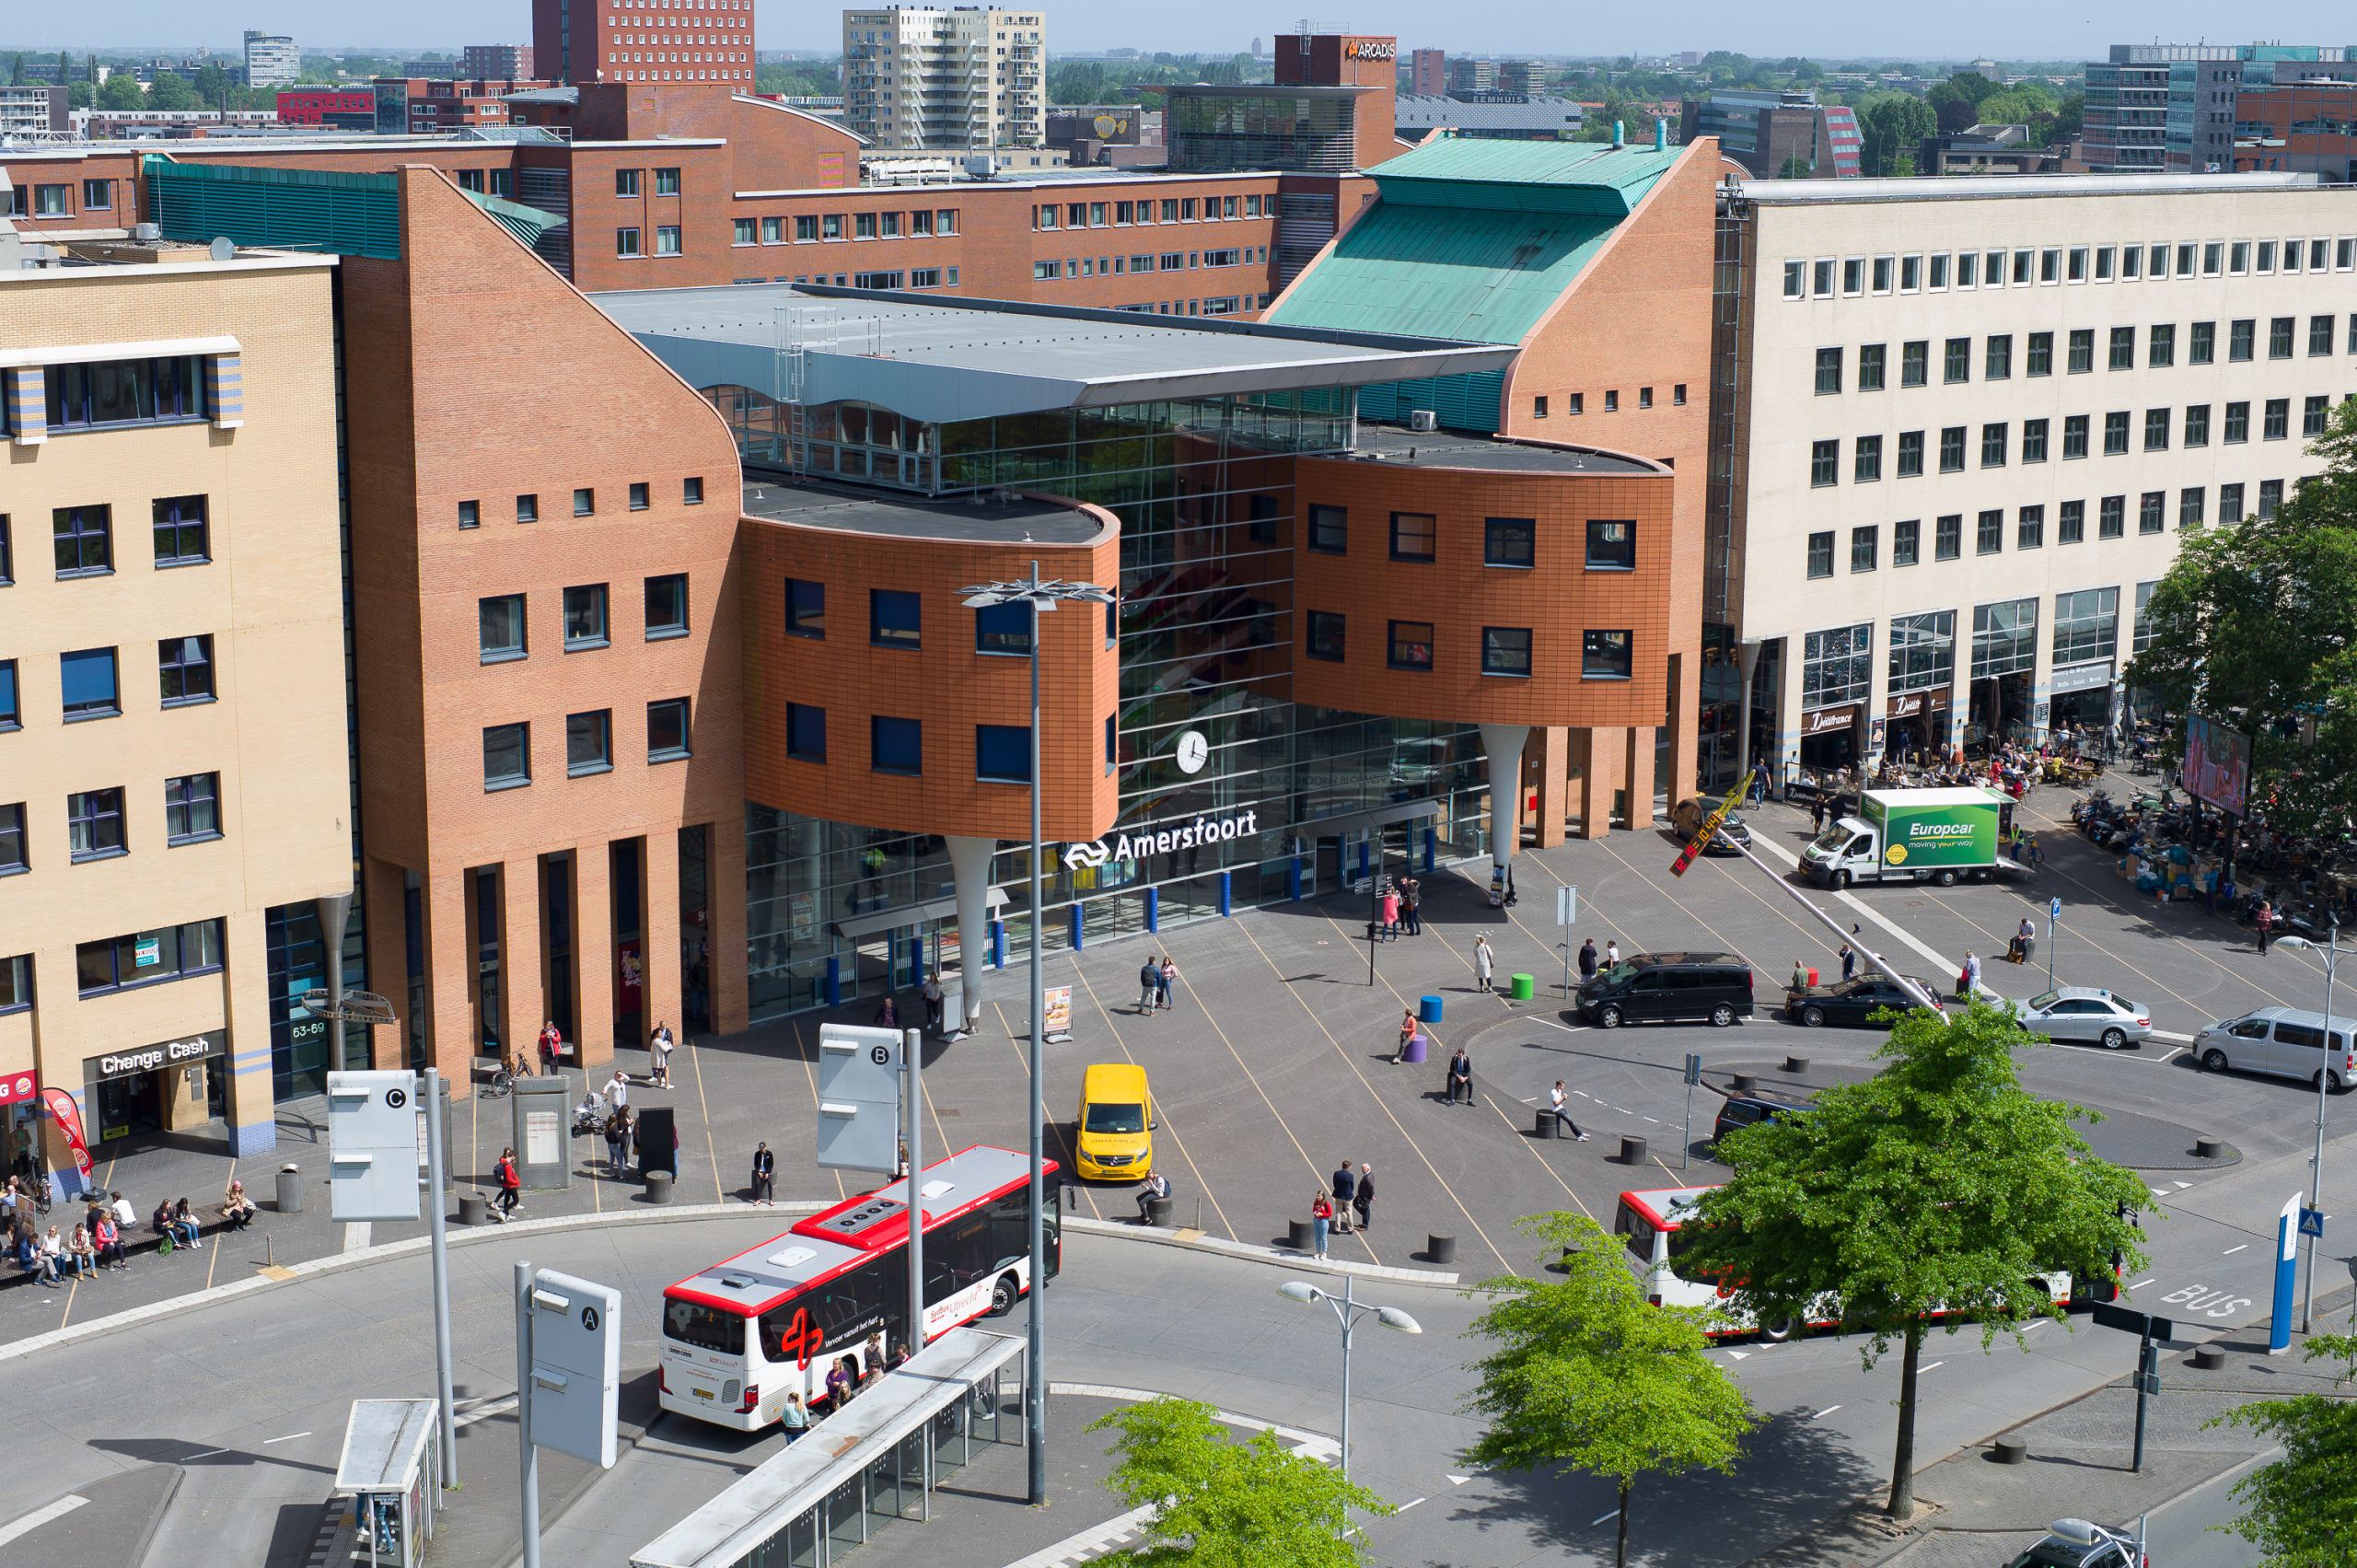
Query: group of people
{"type": "Point", "coordinates": [845, 1376]}
{"type": "Point", "coordinates": [1156, 977]}
{"type": "Point", "coordinates": [1400, 908]}
{"type": "Point", "coordinates": [1347, 1204]}
{"type": "Point", "coordinates": [97, 1240]}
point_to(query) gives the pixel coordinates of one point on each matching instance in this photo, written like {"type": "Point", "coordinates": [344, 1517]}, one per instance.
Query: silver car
{"type": "Point", "coordinates": [2085, 1013]}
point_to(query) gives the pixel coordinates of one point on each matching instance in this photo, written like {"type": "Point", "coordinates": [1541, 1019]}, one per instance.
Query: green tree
{"type": "Point", "coordinates": [1587, 1374]}
{"type": "Point", "coordinates": [2070, 117]}
{"type": "Point", "coordinates": [2256, 622]}
{"type": "Point", "coordinates": [1938, 1187]}
{"type": "Point", "coordinates": [78, 95]}
{"type": "Point", "coordinates": [172, 91]}
{"type": "Point", "coordinates": [2301, 1510]}
{"type": "Point", "coordinates": [121, 92]}
{"type": "Point", "coordinates": [1893, 125]}
{"type": "Point", "coordinates": [1794, 168]}
{"type": "Point", "coordinates": [212, 85]}
{"type": "Point", "coordinates": [16, 72]}
{"type": "Point", "coordinates": [1220, 1503]}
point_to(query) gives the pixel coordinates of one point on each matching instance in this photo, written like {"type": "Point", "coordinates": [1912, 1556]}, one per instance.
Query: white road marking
{"type": "Point", "coordinates": [1921, 1370]}
{"type": "Point", "coordinates": [2041, 1323]}
{"type": "Point", "coordinates": [37, 1518]}
{"type": "Point", "coordinates": [355, 1236]}
{"type": "Point", "coordinates": [1458, 1480]}
{"type": "Point", "coordinates": [1792, 862]}
{"type": "Point", "coordinates": [2172, 1056]}
{"type": "Point", "coordinates": [2162, 1196]}
{"type": "Point", "coordinates": [1567, 1029]}
{"type": "Point", "coordinates": [2232, 1250]}
{"type": "Point", "coordinates": [483, 1409]}
{"type": "Point", "coordinates": [1654, 1119]}
{"type": "Point", "coordinates": [1602, 1518]}
{"type": "Point", "coordinates": [2180, 1185]}
{"type": "Point", "coordinates": [1737, 1355]}
{"type": "Point", "coordinates": [1825, 1412]}
{"type": "Point", "coordinates": [2139, 1284]}
{"type": "Point", "coordinates": [288, 1438]}
{"type": "Point", "coordinates": [1089, 1544]}
{"type": "Point", "coordinates": [1405, 1506]}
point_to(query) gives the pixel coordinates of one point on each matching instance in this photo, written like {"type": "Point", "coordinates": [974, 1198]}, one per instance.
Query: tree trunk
{"type": "Point", "coordinates": [1902, 1465]}
{"type": "Point", "coordinates": [1620, 1549]}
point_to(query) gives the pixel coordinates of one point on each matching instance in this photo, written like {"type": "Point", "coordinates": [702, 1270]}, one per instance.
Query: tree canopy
{"type": "Point", "coordinates": [122, 90]}
{"type": "Point", "coordinates": [1218, 1502]}
{"type": "Point", "coordinates": [2256, 623]}
{"type": "Point", "coordinates": [1933, 1194]}
{"type": "Point", "coordinates": [1586, 1373]}
{"type": "Point", "coordinates": [2301, 1510]}
{"type": "Point", "coordinates": [1894, 126]}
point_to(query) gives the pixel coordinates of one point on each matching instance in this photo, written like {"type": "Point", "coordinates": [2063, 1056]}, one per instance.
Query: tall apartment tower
{"type": "Point", "coordinates": [945, 79]}
{"type": "Point", "coordinates": [1428, 73]}
{"type": "Point", "coordinates": [272, 60]}
{"type": "Point", "coordinates": [582, 41]}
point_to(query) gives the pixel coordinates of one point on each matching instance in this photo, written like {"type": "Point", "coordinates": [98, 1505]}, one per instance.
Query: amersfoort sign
{"type": "Point", "coordinates": [1162, 841]}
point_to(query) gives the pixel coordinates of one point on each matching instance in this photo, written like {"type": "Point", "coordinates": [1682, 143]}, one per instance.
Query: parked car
{"type": "Point", "coordinates": [1687, 821]}
{"type": "Point", "coordinates": [1658, 987]}
{"type": "Point", "coordinates": [2077, 1543]}
{"type": "Point", "coordinates": [2085, 1013]}
{"type": "Point", "coordinates": [1742, 1110]}
{"type": "Point", "coordinates": [1852, 1001]}
{"type": "Point", "coordinates": [2283, 1042]}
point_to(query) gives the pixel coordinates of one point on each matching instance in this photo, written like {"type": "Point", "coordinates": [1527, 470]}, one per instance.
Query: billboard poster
{"type": "Point", "coordinates": [2217, 764]}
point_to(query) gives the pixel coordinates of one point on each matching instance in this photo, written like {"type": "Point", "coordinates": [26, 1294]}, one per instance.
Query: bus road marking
{"type": "Point", "coordinates": [1825, 1412]}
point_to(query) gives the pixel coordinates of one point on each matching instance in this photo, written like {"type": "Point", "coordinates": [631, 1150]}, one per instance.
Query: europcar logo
{"type": "Point", "coordinates": [1897, 856]}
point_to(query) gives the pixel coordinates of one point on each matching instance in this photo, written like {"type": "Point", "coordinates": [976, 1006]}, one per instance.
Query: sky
{"type": "Point", "coordinates": [2020, 29]}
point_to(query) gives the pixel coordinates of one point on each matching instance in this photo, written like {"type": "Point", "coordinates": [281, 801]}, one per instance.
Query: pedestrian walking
{"type": "Point", "coordinates": [1849, 961]}
{"type": "Point", "coordinates": [1563, 1115]}
{"type": "Point", "coordinates": [1165, 978]}
{"type": "Point", "coordinates": [1587, 959]}
{"type": "Point", "coordinates": [1363, 1202]}
{"type": "Point", "coordinates": [1485, 963]}
{"type": "Point", "coordinates": [764, 1176]}
{"type": "Point", "coordinates": [1613, 955]}
{"type": "Point", "coordinates": [1411, 897]}
{"type": "Point", "coordinates": [887, 1016]}
{"type": "Point", "coordinates": [1460, 1076]}
{"type": "Point", "coordinates": [1390, 917]}
{"type": "Point", "coordinates": [1149, 984]}
{"type": "Point", "coordinates": [1156, 1186]}
{"type": "Point", "coordinates": [793, 1418]}
{"type": "Point", "coordinates": [2265, 921]}
{"type": "Point", "coordinates": [1407, 1035]}
{"type": "Point", "coordinates": [934, 999]}
{"type": "Point", "coordinates": [1345, 1187]}
{"type": "Point", "coordinates": [1321, 1221]}
{"type": "Point", "coordinates": [1816, 814]}
{"type": "Point", "coordinates": [658, 1052]}
{"type": "Point", "coordinates": [511, 1184]}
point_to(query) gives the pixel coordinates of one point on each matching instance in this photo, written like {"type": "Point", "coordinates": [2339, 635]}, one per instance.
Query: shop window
{"type": "Point", "coordinates": [144, 958]}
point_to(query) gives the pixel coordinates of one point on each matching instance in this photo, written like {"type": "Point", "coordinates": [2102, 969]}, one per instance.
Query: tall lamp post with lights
{"type": "Point", "coordinates": [1042, 596]}
{"type": "Point", "coordinates": [1347, 1311]}
{"type": "Point", "coordinates": [2332, 952]}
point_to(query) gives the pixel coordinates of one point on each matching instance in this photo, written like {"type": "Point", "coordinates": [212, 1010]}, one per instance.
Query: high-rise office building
{"type": "Point", "coordinates": [498, 61]}
{"type": "Point", "coordinates": [272, 60]}
{"type": "Point", "coordinates": [946, 79]}
{"type": "Point", "coordinates": [637, 40]}
{"type": "Point", "coordinates": [1428, 73]}
{"type": "Point", "coordinates": [2174, 106]}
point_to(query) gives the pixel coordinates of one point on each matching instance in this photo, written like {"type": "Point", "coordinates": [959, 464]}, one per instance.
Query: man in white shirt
{"type": "Point", "coordinates": [617, 1089]}
{"type": "Point", "coordinates": [126, 1218]}
{"type": "Point", "coordinates": [1555, 1101]}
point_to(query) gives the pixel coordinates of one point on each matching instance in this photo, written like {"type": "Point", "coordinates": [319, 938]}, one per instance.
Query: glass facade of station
{"type": "Point", "coordinates": [1202, 489]}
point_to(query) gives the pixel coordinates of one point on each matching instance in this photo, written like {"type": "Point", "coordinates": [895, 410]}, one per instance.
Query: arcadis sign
{"type": "Point", "coordinates": [1371, 49]}
{"type": "Point", "coordinates": [1162, 841]}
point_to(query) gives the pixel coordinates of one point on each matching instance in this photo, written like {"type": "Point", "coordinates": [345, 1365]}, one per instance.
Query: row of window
{"type": "Point", "coordinates": [2284, 338]}
{"type": "Point", "coordinates": [809, 228]}
{"type": "Point", "coordinates": [1506, 541]}
{"type": "Point", "coordinates": [2119, 429]}
{"type": "Point", "coordinates": [1226, 306]}
{"type": "Point", "coordinates": [913, 277]}
{"type": "Point", "coordinates": [112, 393]}
{"type": "Point", "coordinates": [1168, 262]}
{"type": "Point", "coordinates": [1002, 752]}
{"type": "Point", "coordinates": [1837, 663]}
{"type": "Point", "coordinates": [896, 619]}
{"type": "Point", "coordinates": [94, 821]}
{"type": "Point", "coordinates": [588, 744]}
{"type": "Point", "coordinates": [585, 502]}
{"type": "Point", "coordinates": [1505, 650]}
{"type": "Point", "coordinates": [88, 688]}
{"type": "Point", "coordinates": [145, 958]}
{"type": "Point", "coordinates": [1576, 403]}
{"type": "Point", "coordinates": [1171, 209]}
{"type": "Point", "coordinates": [1824, 277]}
{"type": "Point", "coordinates": [81, 538]}
{"type": "Point", "coordinates": [53, 201]}
{"type": "Point", "coordinates": [2029, 527]}
{"type": "Point", "coordinates": [500, 619]}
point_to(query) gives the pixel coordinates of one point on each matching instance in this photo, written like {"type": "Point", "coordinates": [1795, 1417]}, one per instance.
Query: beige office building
{"type": "Point", "coordinates": [174, 784]}
{"type": "Point", "coordinates": [1962, 425]}
{"type": "Point", "coordinates": [928, 78]}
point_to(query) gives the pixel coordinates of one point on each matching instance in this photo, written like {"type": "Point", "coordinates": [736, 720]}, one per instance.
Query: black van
{"type": "Point", "coordinates": [1660, 987]}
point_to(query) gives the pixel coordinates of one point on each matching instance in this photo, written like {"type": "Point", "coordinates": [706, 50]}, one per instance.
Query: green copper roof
{"type": "Point", "coordinates": [301, 209]}
{"type": "Point", "coordinates": [1474, 240]}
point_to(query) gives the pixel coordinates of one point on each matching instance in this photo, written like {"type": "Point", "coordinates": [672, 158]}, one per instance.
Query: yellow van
{"type": "Point", "coordinates": [1116, 1137]}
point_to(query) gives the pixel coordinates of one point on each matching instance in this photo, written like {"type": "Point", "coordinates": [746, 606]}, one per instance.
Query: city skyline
{"type": "Point", "coordinates": [2010, 31]}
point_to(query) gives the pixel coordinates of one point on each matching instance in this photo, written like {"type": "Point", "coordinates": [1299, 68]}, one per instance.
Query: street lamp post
{"type": "Point", "coordinates": [2329, 949]}
{"type": "Point", "coordinates": [1347, 1309]}
{"type": "Point", "coordinates": [1043, 598]}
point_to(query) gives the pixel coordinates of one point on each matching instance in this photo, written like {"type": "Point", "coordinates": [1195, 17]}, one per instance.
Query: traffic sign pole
{"type": "Point", "coordinates": [436, 1164]}
{"type": "Point", "coordinates": [1693, 1076]}
{"type": "Point", "coordinates": [2053, 914]}
{"type": "Point", "coordinates": [913, 1124]}
{"type": "Point", "coordinates": [527, 1453]}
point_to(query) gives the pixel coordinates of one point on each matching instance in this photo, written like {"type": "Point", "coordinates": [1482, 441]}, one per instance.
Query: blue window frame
{"type": "Point", "coordinates": [1002, 629]}
{"type": "Point", "coordinates": [1003, 752]}
{"type": "Point", "coordinates": [11, 715]}
{"type": "Point", "coordinates": [84, 537]}
{"type": "Point", "coordinates": [1509, 541]}
{"type": "Point", "coordinates": [895, 618]}
{"type": "Point", "coordinates": [7, 556]}
{"type": "Point", "coordinates": [805, 607]}
{"type": "Point", "coordinates": [184, 666]}
{"type": "Point", "coordinates": [184, 535]}
{"type": "Point", "coordinates": [94, 824]}
{"type": "Point", "coordinates": [144, 958]}
{"type": "Point", "coordinates": [192, 808]}
{"type": "Point", "coordinates": [86, 683]}
{"type": "Point", "coordinates": [12, 845]}
{"type": "Point", "coordinates": [896, 745]}
{"type": "Point", "coordinates": [806, 732]}
{"type": "Point", "coordinates": [125, 391]}
{"type": "Point", "coordinates": [506, 756]}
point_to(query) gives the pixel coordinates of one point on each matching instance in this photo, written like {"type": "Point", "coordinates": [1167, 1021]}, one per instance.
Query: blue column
{"type": "Point", "coordinates": [1075, 927]}
{"type": "Point", "coordinates": [2287, 1262]}
{"type": "Point", "coordinates": [1292, 879]}
{"type": "Point", "coordinates": [834, 981]}
{"type": "Point", "coordinates": [1153, 909]}
{"type": "Point", "coordinates": [998, 944]}
{"type": "Point", "coordinates": [1432, 846]}
{"type": "Point", "coordinates": [1227, 892]}
{"type": "Point", "coordinates": [1363, 870]}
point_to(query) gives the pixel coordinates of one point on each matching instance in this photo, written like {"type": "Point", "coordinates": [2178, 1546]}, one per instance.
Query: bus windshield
{"type": "Point", "coordinates": [1116, 1118]}
{"type": "Point", "coordinates": [706, 1328]}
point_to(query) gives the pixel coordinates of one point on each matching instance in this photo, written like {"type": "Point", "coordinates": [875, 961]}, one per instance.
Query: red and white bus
{"type": "Point", "coordinates": [742, 1334]}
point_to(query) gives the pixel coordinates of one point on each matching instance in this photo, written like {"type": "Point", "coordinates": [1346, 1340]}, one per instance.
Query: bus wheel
{"type": "Point", "coordinates": [1776, 1331]}
{"type": "Point", "coordinates": [1004, 1294]}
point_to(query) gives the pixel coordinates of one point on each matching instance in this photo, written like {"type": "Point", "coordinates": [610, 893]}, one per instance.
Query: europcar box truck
{"type": "Point", "coordinates": [1914, 835]}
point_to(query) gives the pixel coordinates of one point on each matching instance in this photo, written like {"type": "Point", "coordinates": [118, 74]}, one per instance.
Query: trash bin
{"type": "Point", "coordinates": [658, 1186]}
{"type": "Point", "coordinates": [1524, 988]}
{"type": "Point", "coordinates": [473, 1209]}
{"type": "Point", "coordinates": [290, 1188]}
{"type": "Point", "coordinates": [1428, 1009]}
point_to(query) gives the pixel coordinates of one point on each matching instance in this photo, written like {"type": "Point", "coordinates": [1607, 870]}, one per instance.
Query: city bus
{"type": "Point", "coordinates": [1651, 1225]}
{"type": "Point", "coordinates": [739, 1336]}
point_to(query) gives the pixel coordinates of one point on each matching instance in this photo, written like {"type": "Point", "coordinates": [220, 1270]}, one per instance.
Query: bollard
{"type": "Point", "coordinates": [1428, 1009]}
{"type": "Point", "coordinates": [658, 1186]}
{"type": "Point", "coordinates": [2208, 1148]}
{"type": "Point", "coordinates": [2209, 1358]}
{"type": "Point", "coordinates": [1546, 1126]}
{"type": "Point", "coordinates": [2009, 1450]}
{"type": "Point", "coordinates": [1521, 988]}
{"type": "Point", "coordinates": [290, 1189]}
{"type": "Point", "coordinates": [1301, 1236]}
{"type": "Point", "coordinates": [473, 1209]}
{"type": "Point", "coordinates": [1157, 1212]}
{"type": "Point", "coordinates": [1632, 1151]}
{"type": "Point", "coordinates": [1440, 1249]}
{"type": "Point", "coordinates": [1795, 1066]}
{"type": "Point", "coordinates": [1744, 1083]}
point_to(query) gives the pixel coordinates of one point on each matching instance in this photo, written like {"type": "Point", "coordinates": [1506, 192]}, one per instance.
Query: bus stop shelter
{"type": "Point", "coordinates": [391, 1457]}
{"type": "Point", "coordinates": [877, 1461]}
